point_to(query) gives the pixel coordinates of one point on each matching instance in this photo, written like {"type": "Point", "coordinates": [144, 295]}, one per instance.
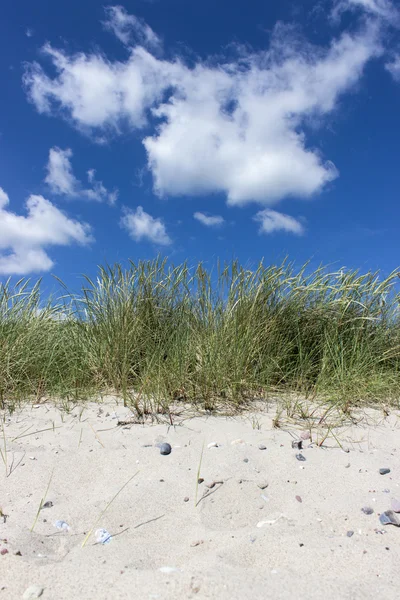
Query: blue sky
{"type": "Point", "coordinates": [206, 130]}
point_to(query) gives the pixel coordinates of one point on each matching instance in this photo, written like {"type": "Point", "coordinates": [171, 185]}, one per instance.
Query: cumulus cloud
{"type": "Point", "coordinates": [62, 181]}
{"type": "Point", "coordinates": [209, 220]}
{"type": "Point", "coordinates": [24, 239]}
{"type": "Point", "coordinates": [142, 226]}
{"type": "Point", "coordinates": [129, 28]}
{"type": "Point", "coordinates": [271, 220]}
{"type": "Point", "coordinates": [237, 127]}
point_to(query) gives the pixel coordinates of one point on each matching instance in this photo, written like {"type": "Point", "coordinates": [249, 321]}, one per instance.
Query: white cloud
{"type": "Point", "coordinates": [394, 68]}
{"type": "Point", "coordinates": [209, 220]}
{"type": "Point", "coordinates": [128, 28]}
{"type": "Point", "coordinates": [271, 220]}
{"type": "Point", "coordinates": [142, 226]}
{"type": "Point", "coordinates": [62, 181]}
{"type": "Point", "coordinates": [381, 8]}
{"type": "Point", "coordinates": [23, 240]}
{"type": "Point", "coordinates": [237, 128]}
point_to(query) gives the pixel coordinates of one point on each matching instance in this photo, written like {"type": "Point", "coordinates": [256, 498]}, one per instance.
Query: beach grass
{"type": "Point", "coordinates": [154, 333]}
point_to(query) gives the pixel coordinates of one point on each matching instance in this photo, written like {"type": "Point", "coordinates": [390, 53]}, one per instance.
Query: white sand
{"type": "Point", "coordinates": [214, 550]}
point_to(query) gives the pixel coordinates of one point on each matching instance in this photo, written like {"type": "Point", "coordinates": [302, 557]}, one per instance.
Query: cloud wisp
{"type": "Point", "coordinates": [143, 227]}
{"type": "Point", "coordinates": [62, 181]}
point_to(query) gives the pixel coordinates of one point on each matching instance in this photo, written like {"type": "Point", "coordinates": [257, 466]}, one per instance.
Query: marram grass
{"type": "Point", "coordinates": [153, 333]}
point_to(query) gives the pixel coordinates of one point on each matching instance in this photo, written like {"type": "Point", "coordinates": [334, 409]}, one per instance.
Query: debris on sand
{"type": "Point", "coordinates": [262, 447]}
{"type": "Point", "coordinates": [32, 592]}
{"type": "Point", "coordinates": [103, 536]}
{"type": "Point", "coordinates": [62, 525]}
{"type": "Point", "coordinates": [297, 444]}
{"type": "Point", "coordinates": [389, 518]}
{"type": "Point", "coordinates": [350, 533]}
{"type": "Point", "coordinates": [300, 457]}
{"type": "Point", "coordinates": [367, 510]}
{"type": "Point", "coordinates": [263, 485]}
{"type": "Point", "coordinates": [165, 448]}
{"type": "Point", "coordinates": [384, 471]}
{"type": "Point", "coordinates": [298, 498]}
{"type": "Point", "coordinates": [395, 505]}
{"type": "Point", "coordinates": [213, 445]}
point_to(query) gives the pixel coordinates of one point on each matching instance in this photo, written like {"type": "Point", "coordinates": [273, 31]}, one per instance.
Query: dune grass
{"type": "Point", "coordinates": [154, 333]}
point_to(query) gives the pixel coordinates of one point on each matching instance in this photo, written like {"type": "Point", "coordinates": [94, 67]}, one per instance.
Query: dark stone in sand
{"type": "Point", "coordinates": [389, 518]}
{"type": "Point", "coordinates": [384, 471]}
{"type": "Point", "coordinates": [367, 510]}
{"type": "Point", "coordinates": [300, 457]}
{"type": "Point", "coordinates": [350, 533]}
{"type": "Point", "coordinates": [165, 448]}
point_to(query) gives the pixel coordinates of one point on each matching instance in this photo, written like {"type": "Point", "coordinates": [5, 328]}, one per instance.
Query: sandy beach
{"type": "Point", "coordinates": [260, 524]}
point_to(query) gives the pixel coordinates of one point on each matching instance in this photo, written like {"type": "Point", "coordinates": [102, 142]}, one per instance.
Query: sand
{"type": "Point", "coordinates": [288, 540]}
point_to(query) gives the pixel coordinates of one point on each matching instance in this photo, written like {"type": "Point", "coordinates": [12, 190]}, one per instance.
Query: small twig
{"type": "Point", "coordinates": [149, 521]}
{"type": "Point", "coordinates": [97, 437]}
{"type": "Point", "coordinates": [34, 432]}
{"type": "Point", "coordinates": [198, 474]}
{"type": "Point", "coordinates": [209, 493]}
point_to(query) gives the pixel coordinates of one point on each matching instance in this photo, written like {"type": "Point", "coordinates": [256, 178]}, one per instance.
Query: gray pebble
{"type": "Point", "coordinates": [246, 460]}
{"type": "Point", "coordinates": [32, 592]}
{"type": "Point", "coordinates": [262, 447]}
{"type": "Point", "coordinates": [300, 457]}
{"type": "Point", "coordinates": [384, 471]}
{"type": "Point", "coordinates": [367, 510]}
{"type": "Point", "coordinates": [389, 518]}
{"type": "Point", "coordinates": [48, 504]}
{"type": "Point", "coordinates": [165, 448]}
{"type": "Point", "coordinates": [350, 533]}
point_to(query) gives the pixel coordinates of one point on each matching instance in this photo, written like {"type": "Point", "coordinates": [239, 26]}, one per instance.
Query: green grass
{"type": "Point", "coordinates": [152, 332]}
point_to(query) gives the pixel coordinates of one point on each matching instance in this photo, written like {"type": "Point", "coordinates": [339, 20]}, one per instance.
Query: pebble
{"type": "Point", "coordinates": [48, 504]}
{"type": "Point", "coordinates": [246, 460]}
{"type": "Point", "coordinates": [384, 471]}
{"type": "Point", "coordinates": [62, 525]}
{"type": "Point", "coordinates": [262, 447]}
{"type": "Point", "coordinates": [197, 543]}
{"type": "Point", "coordinates": [238, 441]}
{"type": "Point", "coordinates": [213, 445]}
{"type": "Point", "coordinates": [186, 499]}
{"type": "Point", "coordinates": [300, 457]}
{"type": "Point", "coordinates": [305, 435]}
{"type": "Point", "coordinates": [350, 533]}
{"type": "Point", "coordinates": [367, 510]}
{"type": "Point", "coordinates": [263, 485]}
{"type": "Point", "coordinates": [297, 444]}
{"type": "Point", "coordinates": [165, 448]}
{"type": "Point", "coordinates": [389, 518]}
{"type": "Point", "coordinates": [3, 551]}
{"type": "Point", "coordinates": [298, 498]}
{"type": "Point", "coordinates": [32, 592]}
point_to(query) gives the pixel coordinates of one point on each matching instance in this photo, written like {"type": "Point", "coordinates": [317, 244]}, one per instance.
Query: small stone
{"type": "Point", "coordinates": [48, 504]}
{"type": "Point", "coordinates": [200, 480]}
{"type": "Point", "coordinates": [165, 448]}
{"type": "Point", "coordinates": [186, 499]}
{"type": "Point", "coordinates": [263, 485]}
{"type": "Point", "coordinates": [384, 471]}
{"type": "Point", "coordinates": [213, 445]}
{"type": "Point", "coordinates": [262, 447]}
{"type": "Point", "coordinates": [298, 444]}
{"type": "Point", "coordinates": [32, 592]}
{"type": "Point", "coordinates": [367, 510]}
{"type": "Point", "coordinates": [298, 498]}
{"type": "Point", "coordinates": [197, 543]}
{"type": "Point", "coordinates": [300, 457]}
{"type": "Point", "coordinates": [238, 441]}
{"type": "Point", "coordinates": [3, 551]}
{"type": "Point", "coordinates": [245, 460]}
{"type": "Point", "coordinates": [305, 435]}
{"type": "Point", "coordinates": [350, 533]}
{"type": "Point", "coordinates": [389, 518]}
{"type": "Point", "coordinates": [347, 466]}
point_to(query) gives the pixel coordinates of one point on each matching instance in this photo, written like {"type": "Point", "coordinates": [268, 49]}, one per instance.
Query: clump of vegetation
{"type": "Point", "coordinates": [154, 333]}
